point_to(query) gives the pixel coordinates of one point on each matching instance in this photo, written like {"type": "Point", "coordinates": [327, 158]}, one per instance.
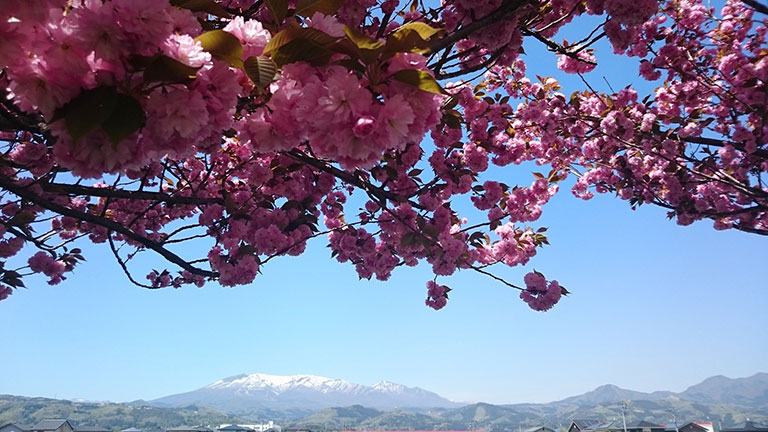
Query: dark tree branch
{"type": "Point", "coordinates": [27, 194]}
{"type": "Point", "coordinates": [349, 178]}
{"type": "Point", "coordinates": [507, 9]}
{"type": "Point", "coordinates": [756, 5]}
{"type": "Point", "coordinates": [71, 189]}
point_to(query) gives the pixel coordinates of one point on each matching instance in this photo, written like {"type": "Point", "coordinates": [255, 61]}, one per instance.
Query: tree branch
{"type": "Point", "coordinates": [505, 11]}
{"type": "Point", "coordinates": [8, 184]}
{"type": "Point", "coordinates": [72, 189]}
{"type": "Point", "coordinates": [756, 5]}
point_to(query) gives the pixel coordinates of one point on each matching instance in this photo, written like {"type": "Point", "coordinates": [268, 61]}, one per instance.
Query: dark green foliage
{"type": "Point", "coordinates": [28, 411]}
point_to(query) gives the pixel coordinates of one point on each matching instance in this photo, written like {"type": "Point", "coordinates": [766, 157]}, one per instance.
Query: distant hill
{"type": "Point", "coordinates": [723, 401]}
{"type": "Point", "coordinates": [242, 393]}
{"type": "Point", "coordinates": [610, 393]}
{"type": "Point", "coordinates": [720, 389]}
{"type": "Point", "coordinates": [261, 395]}
{"type": "Point", "coordinates": [114, 416]}
{"type": "Point", "coordinates": [749, 391]}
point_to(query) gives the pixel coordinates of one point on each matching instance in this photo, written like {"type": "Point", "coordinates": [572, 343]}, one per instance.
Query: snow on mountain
{"type": "Point", "coordinates": [247, 392]}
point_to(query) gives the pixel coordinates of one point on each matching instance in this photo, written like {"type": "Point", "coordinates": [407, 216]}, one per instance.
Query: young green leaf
{"type": "Point", "coordinates": [126, 118]}
{"type": "Point", "coordinates": [419, 79]}
{"type": "Point", "coordinates": [411, 37]}
{"type": "Point", "coordinates": [89, 110]}
{"type": "Point", "coordinates": [308, 7]}
{"type": "Point", "coordinates": [291, 31]}
{"type": "Point", "coordinates": [425, 31]}
{"type": "Point", "coordinates": [261, 70]}
{"type": "Point", "coordinates": [168, 70]}
{"type": "Point", "coordinates": [307, 44]}
{"type": "Point", "coordinates": [223, 46]}
{"type": "Point", "coordinates": [279, 9]}
{"type": "Point", "coordinates": [207, 6]}
{"type": "Point", "coordinates": [362, 40]}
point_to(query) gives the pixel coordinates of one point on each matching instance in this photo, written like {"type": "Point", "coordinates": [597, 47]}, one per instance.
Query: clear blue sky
{"type": "Point", "coordinates": [654, 306]}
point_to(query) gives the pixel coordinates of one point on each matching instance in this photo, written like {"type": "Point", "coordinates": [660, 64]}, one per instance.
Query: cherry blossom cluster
{"type": "Point", "coordinates": [539, 294]}
{"type": "Point", "coordinates": [223, 134]}
{"type": "Point", "coordinates": [340, 115]}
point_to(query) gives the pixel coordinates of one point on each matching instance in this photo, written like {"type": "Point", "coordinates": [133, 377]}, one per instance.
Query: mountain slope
{"type": "Point", "coordinates": [612, 393]}
{"type": "Point", "coordinates": [720, 389]}
{"type": "Point", "coordinates": [112, 416]}
{"type": "Point", "coordinates": [748, 391]}
{"type": "Point", "coordinates": [245, 392]}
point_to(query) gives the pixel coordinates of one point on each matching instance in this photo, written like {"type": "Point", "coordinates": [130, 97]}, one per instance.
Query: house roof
{"type": "Point", "coordinates": [193, 428]}
{"type": "Point", "coordinates": [20, 426]}
{"type": "Point", "coordinates": [51, 424]}
{"type": "Point", "coordinates": [645, 424]}
{"type": "Point", "coordinates": [585, 424]}
{"type": "Point", "coordinates": [234, 427]}
{"type": "Point", "coordinates": [747, 427]}
{"type": "Point", "coordinates": [90, 429]}
{"type": "Point", "coordinates": [536, 428]}
{"type": "Point", "coordinates": [693, 425]}
{"type": "Point", "coordinates": [131, 429]}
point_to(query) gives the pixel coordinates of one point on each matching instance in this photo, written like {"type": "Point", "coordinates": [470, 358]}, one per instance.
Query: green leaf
{"type": "Point", "coordinates": [291, 31]}
{"type": "Point", "coordinates": [362, 40]}
{"type": "Point", "coordinates": [411, 37]}
{"type": "Point", "coordinates": [452, 122]}
{"type": "Point", "coordinates": [352, 65]}
{"type": "Point", "coordinates": [260, 70]}
{"type": "Point", "coordinates": [419, 79]}
{"type": "Point", "coordinates": [207, 6]}
{"type": "Point", "coordinates": [223, 46]}
{"type": "Point", "coordinates": [279, 9]}
{"type": "Point", "coordinates": [13, 278]}
{"type": "Point", "coordinates": [302, 50]}
{"type": "Point", "coordinates": [168, 70]}
{"type": "Point", "coordinates": [89, 110]}
{"type": "Point", "coordinates": [309, 45]}
{"type": "Point", "coordinates": [425, 31]}
{"type": "Point", "coordinates": [126, 118]}
{"type": "Point", "coordinates": [308, 7]}
{"type": "Point", "coordinates": [21, 219]}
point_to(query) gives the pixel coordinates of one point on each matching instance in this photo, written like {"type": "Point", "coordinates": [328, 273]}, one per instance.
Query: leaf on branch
{"type": "Point", "coordinates": [296, 43]}
{"type": "Point", "coordinates": [126, 118]}
{"type": "Point", "coordinates": [411, 37]}
{"type": "Point", "coordinates": [162, 68]}
{"type": "Point", "coordinates": [20, 219]}
{"type": "Point", "coordinates": [419, 79]}
{"type": "Point", "coordinates": [302, 50]}
{"type": "Point", "coordinates": [118, 114]}
{"type": "Point", "coordinates": [410, 239]}
{"type": "Point", "coordinates": [308, 7]}
{"type": "Point", "coordinates": [13, 279]}
{"type": "Point", "coordinates": [452, 119]}
{"type": "Point", "coordinates": [88, 110]}
{"type": "Point", "coordinates": [261, 70]}
{"type": "Point", "coordinates": [207, 6]}
{"type": "Point", "coordinates": [279, 9]}
{"type": "Point", "coordinates": [352, 65]}
{"type": "Point", "coordinates": [223, 46]}
{"type": "Point", "coordinates": [362, 40]}
{"type": "Point", "coordinates": [290, 32]}
{"type": "Point", "coordinates": [359, 45]}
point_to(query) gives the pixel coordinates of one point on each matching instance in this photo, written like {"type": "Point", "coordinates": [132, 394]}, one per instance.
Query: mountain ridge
{"type": "Point", "coordinates": [240, 393]}
{"type": "Point", "coordinates": [739, 399]}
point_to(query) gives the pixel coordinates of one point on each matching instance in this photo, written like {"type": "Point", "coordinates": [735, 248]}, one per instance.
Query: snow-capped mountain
{"type": "Point", "coordinates": [247, 392]}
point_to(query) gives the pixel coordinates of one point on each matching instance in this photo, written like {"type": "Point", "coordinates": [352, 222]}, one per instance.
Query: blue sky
{"type": "Point", "coordinates": [655, 306]}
